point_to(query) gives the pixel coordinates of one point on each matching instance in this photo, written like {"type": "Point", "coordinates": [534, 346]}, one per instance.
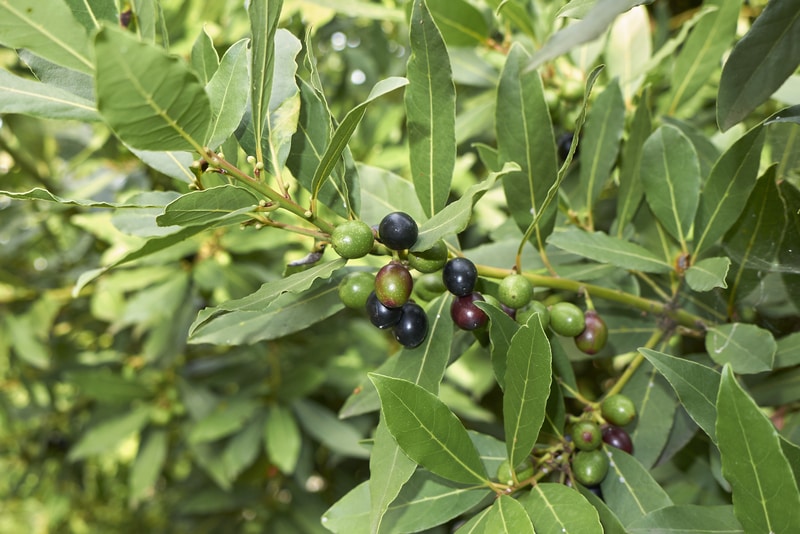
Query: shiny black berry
{"type": "Point", "coordinates": [412, 328]}
{"type": "Point", "coordinates": [459, 276]}
{"type": "Point", "coordinates": [466, 315]}
{"type": "Point", "coordinates": [617, 437]}
{"type": "Point", "coordinates": [380, 315]}
{"type": "Point", "coordinates": [398, 231]}
{"type": "Point", "coordinates": [564, 142]}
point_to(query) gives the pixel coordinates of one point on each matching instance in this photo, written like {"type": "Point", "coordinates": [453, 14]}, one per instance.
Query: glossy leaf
{"type": "Point", "coordinates": [48, 29]}
{"type": "Point", "coordinates": [600, 140]}
{"type": "Point", "coordinates": [607, 249]}
{"type": "Point", "coordinates": [108, 434]}
{"type": "Point", "coordinates": [759, 63]}
{"type": "Point", "coordinates": [745, 347]}
{"type": "Point", "coordinates": [629, 489]}
{"type": "Point", "coordinates": [631, 191]}
{"type": "Point", "coordinates": [501, 330]}
{"type": "Point", "coordinates": [227, 92]}
{"type": "Point", "coordinates": [264, 16]}
{"type": "Point", "coordinates": [507, 516]}
{"type": "Point", "coordinates": [427, 431]}
{"type": "Point", "coordinates": [670, 175]}
{"type": "Point", "coordinates": [690, 519]}
{"type": "Point", "coordinates": [205, 206]}
{"type": "Point", "coordinates": [151, 100]}
{"type": "Point", "coordinates": [527, 381]}
{"type": "Point", "coordinates": [727, 189]}
{"type": "Point", "coordinates": [555, 508]}
{"type": "Point", "coordinates": [339, 436]}
{"type": "Point", "coordinates": [702, 53]}
{"type": "Point", "coordinates": [707, 274]}
{"type": "Point", "coordinates": [282, 439]}
{"type": "Point", "coordinates": [148, 464]}
{"type": "Point", "coordinates": [346, 128]}
{"type": "Point", "coordinates": [389, 469]}
{"type": "Point", "coordinates": [655, 410]}
{"type": "Point", "coordinates": [525, 136]}
{"type": "Point", "coordinates": [430, 103]}
{"type": "Point", "coordinates": [286, 314]}
{"type": "Point", "coordinates": [765, 494]}
{"type": "Point", "coordinates": [18, 95]}
{"type": "Point", "coordinates": [707, 152]}
{"type": "Point", "coordinates": [284, 102]}
{"type": "Point", "coordinates": [695, 384]}
{"type": "Point", "coordinates": [609, 521]}
{"type": "Point", "coordinates": [456, 216]}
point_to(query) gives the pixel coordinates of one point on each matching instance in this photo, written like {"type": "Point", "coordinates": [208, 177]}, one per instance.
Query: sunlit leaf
{"type": "Point", "coordinates": [707, 274]}
{"type": "Point", "coordinates": [746, 347]}
{"type": "Point", "coordinates": [555, 508]}
{"type": "Point", "coordinates": [282, 439]}
{"type": "Point", "coordinates": [690, 519]}
{"type": "Point", "coordinates": [227, 92]}
{"type": "Point", "coordinates": [18, 95]}
{"type": "Point", "coordinates": [607, 249]}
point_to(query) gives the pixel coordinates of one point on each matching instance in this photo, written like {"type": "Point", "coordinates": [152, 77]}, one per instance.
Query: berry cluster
{"type": "Point", "coordinates": [566, 319]}
{"type": "Point", "coordinates": [459, 276]}
{"type": "Point", "coordinates": [589, 462]}
{"type": "Point", "coordinates": [386, 296]}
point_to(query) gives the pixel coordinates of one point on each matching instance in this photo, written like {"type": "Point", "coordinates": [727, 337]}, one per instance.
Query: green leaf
{"type": "Point", "coordinates": [507, 516]}
{"type": "Point", "coordinates": [226, 418]}
{"type": "Point", "coordinates": [48, 29]}
{"type": "Point", "coordinates": [430, 103]}
{"type": "Point", "coordinates": [92, 13]}
{"type": "Point", "coordinates": [670, 174]}
{"type": "Point", "coordinates": [286, 314]}
{"type": "Point", "coordinates": [174, 164]}
{"type": "Point", "coordinates": [204, 58]}
{"type": "Point", "coordinates": [106, 435]}
{"type": "Point", "coordinates": [629, 489]}
{"type": "Point", "coordinates": [600, 140]}
{"type": "Point", "coordinates": [227, 92]}
{"type": "Point", "coordinates": [707, 274]}
{"type": "Point", "coordinates": [27, 97]}
{"type": "Point", "coordinates": [206, 206]}
{"type": "Point", "coordinates": [607, 249]}
{"type": "Point", "coordinates": [345, 130]}
{"type": "Point", "coordinates": [389, 469]}
{"type": "Point", "coordinates": [456, 216]}
{"type": "Point", "coordinates": [695, 384]}
{"type": "Point", "coordinates": [383, 192]}
{"type": "Point", "coordinates": [760, 62]}
{"type": "Point", "coordinates": [610, 522]}
{"type": "Point", "coordinates": [629, 49]}
{"type": "Point", "coordinates": [727, 189]}
{"type": "Point", "coordinates": [151, 100]}
{"type": "Point", "coordinates": [106, 387]}
{"type": "Point", "coordinates": [525, 136]}
{"type": "Point", "coordinates": [37, 193]}
{"type": "Point", "coordinates": [148, 463]}
{"type": "Point", "coordinates": [788, 351]}
{"type": "Point", "coordinates": [264, 16]}
{"type": "Point", "coordinates": [555, 508]}
{"type": "Point", "coordinates": [631, 191]}
{"type": "Point", "coordinates": [746, 348]}
{"type": "Point", "coordinates": [461, 23]}
{"type": "Point", "coordinates": [689, 519]}
{"type": "Point", "coordinates": [427, 431]}
{"type": "Point", "coordinates": [595, 22]}
{"type": "Point", "coordinates": [501, 330]}
{"type": "Point", "coordinates": [527, 386]}
{"type": "Point", "coordinates": [655, 410]}
{"type": "Point", "coordinates": [242, 449]}
{"type": "Point", "coordinates": [702, 53]}
{"type": "Point", "coordinates": [322, 424]}
{"type": "Point", "coordinates": [765, 494]}
{"type": "Point", "coordinates": [282, 439]}
{"type": "Point", "coordinates": [707, 152]}
{"type": "Point", "coordinates": [478, 523]}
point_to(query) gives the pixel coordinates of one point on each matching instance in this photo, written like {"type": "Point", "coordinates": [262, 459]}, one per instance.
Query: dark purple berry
{"type": "Point", "coordinates": [617, 437]}
{"type": "Point", "coordinates": [466, 314]}
{"type": "Point", "coordinates": [459, 276]}
{"type": "Point", "coordinates": [412, 328]}
{"type": "Point", "coordinates": [594, 335]}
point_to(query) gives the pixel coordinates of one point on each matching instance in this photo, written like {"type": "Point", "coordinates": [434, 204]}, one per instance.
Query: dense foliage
{"type": "Point", "coordinates": [399, 266]}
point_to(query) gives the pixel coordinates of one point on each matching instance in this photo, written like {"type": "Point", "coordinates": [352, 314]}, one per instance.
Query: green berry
{"type": "Point", "coordinates": [523, 471]}
{"type": "Point", "coordinates": [431, 260]}
{"type": "Point", "coordinates": [515, 291]}
{"type": "Point", "coordinates": [429, 286]}
{"type": "Point", "coordinates": [355, 288]}
{"type": "Point", "coordinates": [393, 285]}
{"type": "Point", "coordinates": [566, 319]}
{"type": "Point", "coordinates": [352, 239]}
{"type": "Point", "coordinates": [534, 306]}
{"type": "Point", "coordinates": [618, 410]}
{"type": "Point", "coordinates": [586, 435]}
{"type": "Point", "coordinates": [590, 467]}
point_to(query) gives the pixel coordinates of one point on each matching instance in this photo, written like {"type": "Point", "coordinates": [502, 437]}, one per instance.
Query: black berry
{"type": "Point", "coordinates": [380, 315]}
{"type": "Point", "coordinates": [459, 276]}
{"type": "Point", "coordinates": [617, 437]}
{"type": "Point", "coordinates": [398, 231]}
{"type": "Point", "coordinates": [412, 328]}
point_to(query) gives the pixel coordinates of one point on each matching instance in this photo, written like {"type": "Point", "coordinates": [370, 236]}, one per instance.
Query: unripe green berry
{"type": "Point", "coordinates": [354, 289]}
{"type": "Point", "coordinates": [352, 239]}
{"type": "Point", "coordinates": [535, 306]}
{"type": "Point", "coordinates": [515, 291]}
{"type": "Point", "coordinates": [523, 471]}
{"type": "Point", "coordinates": [566, 319]}
{"type": "Point", "coordinates": [586, 435]}
{"type": "Point", "coordinates": [618, 410]}
{"type": "Point", "coordinates": [590, 467]}
{"type": "Point", "coordinates": [431, 260]}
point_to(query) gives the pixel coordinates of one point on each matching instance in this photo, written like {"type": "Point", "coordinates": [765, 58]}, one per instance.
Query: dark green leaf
{"type": "Point", "coordinates": [788, 351]}
{"type": "Point", "coordinates": [629, 489]}
{"type": "Point", "coordinates": [242, 449]}
{"type": "Point", "coordinates": [670, 175]}
{"type": "Point", "coordinates": [501, 329]}
{"type": "Point", "coordinates": [264, 16]}
{"type": "Point", "coordinates": [427, 431]}
{"type": "Point", "coordinates": [688, 519]}
{"type": "Point", "coordinates": [555, 508]}
{"type": "Point", "coordinates": [631, 191]}
{"type": "Point", "coordinates": [707, 274]}
{"type": "Point", "coordinates": [227, 92]}
{"type": "Point", "coordinates": [507, 516]}
{"type": "Point", "coordinates": [607, 249]}
{"type": "Point", "coordinates": [727, 188]}
{"type": "Point", "coordinates": [48, 29]}
{"type": "Point", "coordinates": [27, 97]}
{"type": "Point", "coordinates": [600, 140]}
{"type": "Point", "coordinates": [206, 206]}
{"type": "Point", "coordinates": [107, 387]}
{"type": "Point", "coordinates": [610, 522]}
{"type": "Point", "coordinates": [695, 384]}
{"type": "Point", "coordinates": [525, 136]}
{"type": "Point", "coordinates": [655, 410]}
{"type": "Point", "coordinates": [765, 494]}
{"type": "Point", "coordinates": [747, 348]}
{"type": "Point", "coordinates": [227, 418]}
{"type": "Point", "coordinates": [151, 100]}
{"type": "Point", "coordinates": [108, 434]}
{"type": "Point", "coordinates": [527, 386]}
{"type": "Point", "coordinates": [282, 439]}
{"type": "Point", "coordinates": [707, 151]}
{"type": "Point", "coordinates": [760, 62]}
{"type": "Point", "coordinates": [430, 103]}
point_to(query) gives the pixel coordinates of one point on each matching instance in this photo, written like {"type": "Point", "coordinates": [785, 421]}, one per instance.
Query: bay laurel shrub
{"type": "Point", "coordinates": [584, 218]}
